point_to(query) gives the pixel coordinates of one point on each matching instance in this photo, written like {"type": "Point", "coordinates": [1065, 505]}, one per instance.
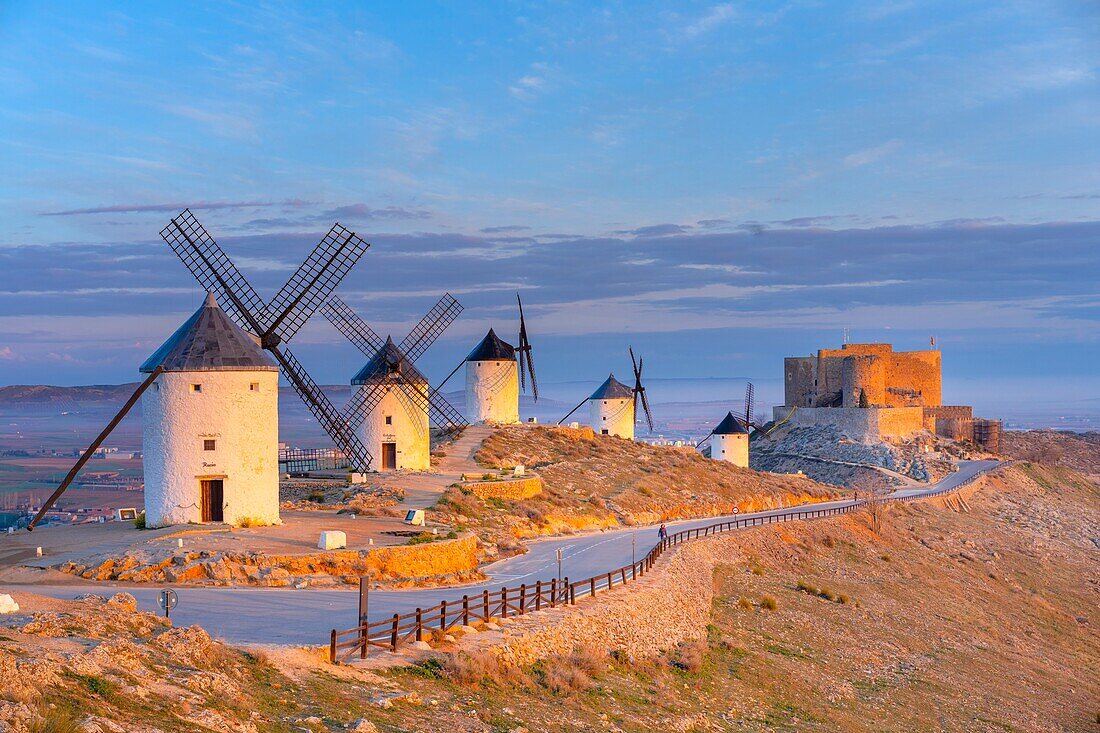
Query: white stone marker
{"type": "Point", "coordinates": [8, 604]}
{"type": "Point", "coordinates": [333, 539]}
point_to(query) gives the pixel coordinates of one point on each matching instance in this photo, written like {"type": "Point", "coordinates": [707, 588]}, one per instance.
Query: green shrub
{"type": "Point", "coordinates": [139, 521]}
{"type": "Point", "coordinates": [317, 496]}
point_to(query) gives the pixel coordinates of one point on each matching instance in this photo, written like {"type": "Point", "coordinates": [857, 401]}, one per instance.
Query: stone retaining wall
{"type": "Point", "coordinates": [510, 489]}
{"type": "Point", "coordinates": [669, 605]}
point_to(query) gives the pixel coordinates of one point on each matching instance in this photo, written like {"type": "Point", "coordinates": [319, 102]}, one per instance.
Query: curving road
{"type": "Point", "coordinates": [304, 617]}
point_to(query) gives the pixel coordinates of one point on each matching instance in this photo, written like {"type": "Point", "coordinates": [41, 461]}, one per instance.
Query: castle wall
{"type": "Point", "coordinates": [613, 417]}
{"type": "Point", "coordinates": [871, 423]}
{"type": "Point", "coordinates": [835, 376]}
{"type": "Point", "coordinates": [799, 374]}
{"type": "Point", "coordinates": [866, 375]}
{"type": "Point", "coordinates": [492, 392]}
{"type": "Point", "coordinates": [243, 423]}
{"type": "Point", "coordinates": [408, 428]}
{"type": "Point", "coordinates": [915, 379]}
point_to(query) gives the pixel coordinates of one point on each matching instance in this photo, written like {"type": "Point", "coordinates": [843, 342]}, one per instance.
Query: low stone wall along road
{"type": "Point", "coordinates": [305, 617]}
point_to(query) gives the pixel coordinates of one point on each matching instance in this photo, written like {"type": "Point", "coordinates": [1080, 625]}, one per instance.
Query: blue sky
{"type": "Point", "coordinates": [719, 184]}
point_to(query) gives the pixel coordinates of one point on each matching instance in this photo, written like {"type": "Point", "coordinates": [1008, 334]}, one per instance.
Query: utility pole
{"type": "Point", "coordinates": [558, 552]}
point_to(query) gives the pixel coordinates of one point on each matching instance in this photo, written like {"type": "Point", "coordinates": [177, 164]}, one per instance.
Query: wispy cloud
{"type": "Point", "coordinates": [870, 155]}
{"type": "Point", "coordinates": [532, 84]}
{"type": "Point", "coordinates": [175, 207]}
{"type": "Point", "coordinates": [714, 17]}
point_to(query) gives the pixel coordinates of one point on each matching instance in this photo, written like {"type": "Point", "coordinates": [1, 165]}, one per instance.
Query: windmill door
{"type": "Point", "coordinates": [213, 498]}
{"type": "Point", "coordinates": [389, 456]}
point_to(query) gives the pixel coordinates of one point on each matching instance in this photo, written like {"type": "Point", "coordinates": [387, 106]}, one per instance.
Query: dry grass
{"type": "Point", "coordinates": [479, 668]}
{"type": "Point", "coordinates": [595, 482]}
{"type": "Point", "coordinates": [56, 720]}
{"type": "Point", "coordinates": [689, 656]}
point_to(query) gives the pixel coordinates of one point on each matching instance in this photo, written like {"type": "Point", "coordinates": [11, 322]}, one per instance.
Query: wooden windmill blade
{"type": "Point", "coordinates": [215, 272]}
{"type": "Point", "coordinates": [525, 355]}
{"type": "Point", "coordinates": [750, 403]}
{"type": "Point", "coordinates": [573, 410]}
{"type": "Point", "coordinates": [444, 413]}
{"type": "Point", "coordinates": [639, 391]}
{"type": "Point", "coordinates": [327, 265]}
{"type": "Point", "coordinates": [326, 414]}
{"type": "Point", "coordinates": [430, 327]}
{"type": "Point", "coordinates": [352, 325]}
{"type": "Point", "coordinates": [87, 454]}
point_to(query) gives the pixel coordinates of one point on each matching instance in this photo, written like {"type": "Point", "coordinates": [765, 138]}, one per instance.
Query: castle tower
{"type": "Point", "coordinates": [211, 426]}
{"type": "Point", "coordinates": [730, 442]}
{"type": "Point", "coordinates": [396, 430]}
{"type": "Point", "coordinates": [612, 409]}
{"type": "Point", "coordinates": [492, 383]}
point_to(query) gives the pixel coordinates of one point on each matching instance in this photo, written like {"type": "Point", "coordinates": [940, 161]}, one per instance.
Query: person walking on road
{"type": "Point", "coordinates": [662, 533]}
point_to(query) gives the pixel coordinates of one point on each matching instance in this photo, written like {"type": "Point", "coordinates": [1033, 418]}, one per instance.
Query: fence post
{"type": "Point", "coordinates": [364, 607]}
{"type": "Point", "coordinates": [592, 582]}
{"type": "Point", "coordinates": [419, 625]}
{"type": "Point", "coordinates": [522, 598]}
{"type": "Point", "coordinates": [538, 595]}
{"type": "Point", "coordinates": [332, 647]}
{"type": "Point", "coordinates": [553, 593]}
{"type": "Point", "coordinates": [572, 591]}
{"type": "Point", "coordinates": [443, 615]}
{"type": "Point", "coordinates": [485, 605]}
{"type": "Point", "coordinates": [622, 572]}
{"type": "Point", "coordinates": [465, 610]}
{"type": "Point", "coordinates": [393, 632]}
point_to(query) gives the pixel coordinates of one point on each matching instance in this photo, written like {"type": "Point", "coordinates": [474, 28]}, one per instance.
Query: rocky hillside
{"type": "Point", "coordinates": [982, 620]}
{"type": "Point", "coordinates": [596, 481]}
{"type": "Point", "coordinates": [1079, 451]}
{"type": "Point", "coordinates": [827, 455]}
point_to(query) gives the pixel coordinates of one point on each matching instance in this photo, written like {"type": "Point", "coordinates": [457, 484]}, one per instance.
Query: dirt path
{"type": "Point", "coordinates": [422, 489]}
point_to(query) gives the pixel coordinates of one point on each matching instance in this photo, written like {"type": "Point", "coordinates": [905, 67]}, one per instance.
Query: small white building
{"type": "Point", "coordinates": [211, 426]}
{"type": "Point", "coordinates": [730, 442]}
{"type": "Point", "coordinates": [396, 430]}
{"type": "Point", "coordinates": [612, 409]}
{"type": "Point", "coordinates": [492, 383]}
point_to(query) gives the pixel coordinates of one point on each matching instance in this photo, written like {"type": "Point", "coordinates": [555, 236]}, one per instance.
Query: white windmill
{"type": "Point", "coordinates": [393, 400]}
{"type": "Point", "coordinates": [210, 400]}
{"type": "Point", "coordinates": [496, 372]}
{"type": "Point", "coordinates": [729, 441]}
{"type": "Point", "coordinates": [613, 406]}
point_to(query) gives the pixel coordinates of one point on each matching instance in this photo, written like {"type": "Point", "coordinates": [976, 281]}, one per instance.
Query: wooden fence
{"type": "Point", "coordinates": [399, 629]}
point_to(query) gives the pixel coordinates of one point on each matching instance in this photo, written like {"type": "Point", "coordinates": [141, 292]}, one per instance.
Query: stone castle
{"type": "Point", "coordinates": [870, 391]}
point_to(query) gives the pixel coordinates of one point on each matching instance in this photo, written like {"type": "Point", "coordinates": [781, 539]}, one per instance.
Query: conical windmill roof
{"type": "Point", "coordinates": [388, 363]}
{"type": "Point", "coordinates": [209, 341]}
{"type": "Point", "coordinates": [492, 348]}
{"type": "Point", "coordinates": [730, 425]}
{"type": "Point", "coordinates": [612, 389]}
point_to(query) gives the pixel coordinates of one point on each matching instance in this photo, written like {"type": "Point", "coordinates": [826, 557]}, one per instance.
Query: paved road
{"type": "Point", "coordinates": [288, 616]}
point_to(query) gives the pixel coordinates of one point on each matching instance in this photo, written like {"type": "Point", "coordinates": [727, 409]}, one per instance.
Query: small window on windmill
{"type": "Point", "coordinates": [253, 386]}
{"type": "Point", "coordinates": [604, 431]}
{"type": "Point", "coordinates": [389, 419]}
{"type": "Point", "coordinates": [208, 444]}
{"type": "Point", "coordinates": [196, 388]}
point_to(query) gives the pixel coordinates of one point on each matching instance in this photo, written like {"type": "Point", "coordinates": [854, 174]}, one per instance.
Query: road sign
{"type": "Point", "coordinates": [168, 600]}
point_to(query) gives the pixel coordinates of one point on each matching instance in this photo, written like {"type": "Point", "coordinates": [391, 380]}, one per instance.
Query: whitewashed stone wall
{"type": "Point", "coordinates": [244, 423]}
{"type": "Point", "coordinates": [615, 416]}
{"type": "Point", "coordinates": [492, 392]}
{"type": "Point", "coordinates": [409, 431]}
{"type": "Point", "coordinates": [732, 447]}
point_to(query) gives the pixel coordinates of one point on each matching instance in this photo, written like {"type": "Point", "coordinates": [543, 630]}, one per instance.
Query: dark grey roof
{"type": "Point", "coordinates": [209, 341]}
{"type": "Point", "coordinates": [388, 363]}
{"type": "Point", "coordinates": [730, 425]}
{"type": "Point", "coordinates": [612, 389]}
{"type": "Point", "coordinates": [492, 348]}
